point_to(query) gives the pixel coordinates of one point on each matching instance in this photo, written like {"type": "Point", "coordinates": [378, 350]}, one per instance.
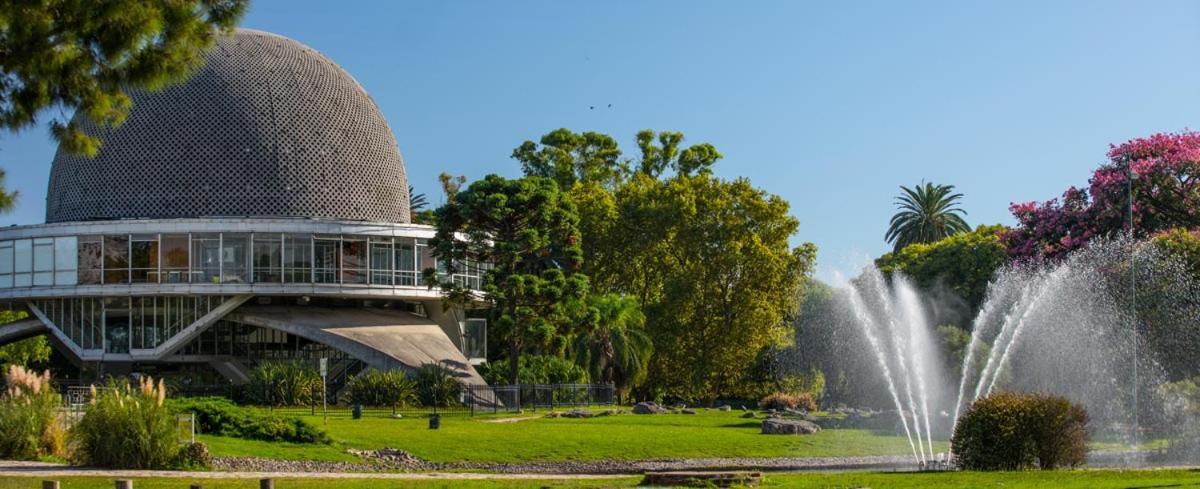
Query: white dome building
{"type": "Point", "coordinates": [257, 211]}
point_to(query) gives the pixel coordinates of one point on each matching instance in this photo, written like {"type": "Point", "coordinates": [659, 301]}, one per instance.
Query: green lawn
{"type": "Point", "coordinates": [621, 437]}
{"type": "Point", "coordinates": [1083, 479]}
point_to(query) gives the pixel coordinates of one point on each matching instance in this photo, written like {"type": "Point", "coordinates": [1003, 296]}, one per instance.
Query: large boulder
{"type": "Point", "coordinates": [648, 408]}
{"type": "Point", "coordinates": [780, 426]}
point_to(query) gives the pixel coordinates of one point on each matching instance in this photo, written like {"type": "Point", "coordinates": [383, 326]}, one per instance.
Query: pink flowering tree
{"type": "Point", "coordinates": [1166, 188]}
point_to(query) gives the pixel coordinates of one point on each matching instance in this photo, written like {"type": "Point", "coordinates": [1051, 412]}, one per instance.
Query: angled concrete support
{"type": "Point", "coordinates": [57, 337]}
{"type": "Point", "coordinates": [193, 330]}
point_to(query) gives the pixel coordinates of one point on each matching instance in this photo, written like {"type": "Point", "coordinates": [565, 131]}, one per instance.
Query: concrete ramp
{"type": "Point", "coordinates": [19, 330]}
{"type": "Point", "coordinates": [380, 337]}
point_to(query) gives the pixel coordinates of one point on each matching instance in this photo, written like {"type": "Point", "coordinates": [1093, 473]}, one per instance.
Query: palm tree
{"type": "Point", "coordinates": [416, 202]}
{"type": "Point", "coordinates": [928, 213]}
{"type": "Point", "coordinates": [614, 347]}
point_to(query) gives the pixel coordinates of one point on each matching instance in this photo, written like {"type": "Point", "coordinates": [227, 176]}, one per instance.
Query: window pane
{"type": "Point", "coordinates": [174, 258]}
{"type": "Point", "coordinates": [325, 262]}
{"type": "Point", "coordinates": [406, 263]}
{"type": "Point", "coordinates": [233, 258]}
{"type": "Point", "coordinates": [381, 262]}
{"type": "Point", "coordinates": [297, 255]}
{"type": "Point", "coordinates": [268, 259]}
{"type": "Point", "coordinates": [65, 260]}
{"type": "Point", "coordinates": [144, 259]}
{"type": "Point", "coordinates": [206, 258]}
{"type": "Point", "coordinates": [6, 264]}
{"type": "Point", "coordinates": [354, 261]}
{"type": "Point", "coordinates": [89, 260]}
{"type": "Point", "coordinates": [116, 259]}
{"type": "Point", "coordinates": [23, 257]}
{"type": "Point", "coordinates": [475, 338]}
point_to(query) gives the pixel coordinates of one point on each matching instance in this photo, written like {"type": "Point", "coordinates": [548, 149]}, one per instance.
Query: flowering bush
{"type": "Point", "coordinates": [128, 428]}
{"type": "Point", "coordinates": [1166, 194]}
{"type": "Point", "coordinates": [29, 422]}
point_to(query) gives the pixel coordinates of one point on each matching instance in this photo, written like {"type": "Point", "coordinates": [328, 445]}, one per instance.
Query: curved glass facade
{"type": "Point", "coordinates": [222, 258]}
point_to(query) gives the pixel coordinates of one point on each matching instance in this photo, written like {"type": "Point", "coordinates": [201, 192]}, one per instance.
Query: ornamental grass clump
{"type": "Point", "coordinates": [382, 388]}
{"type": "Point", "coordinates": [127, 427]}
{"type": "Point", "coordinates": [30, 426]}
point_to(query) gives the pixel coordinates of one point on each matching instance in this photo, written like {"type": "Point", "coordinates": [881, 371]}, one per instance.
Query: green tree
{"type": "Point", "coordinates": [927, 213]}
{"type": "Point", "coordinates": [964, 263]}
{"type": "Point", "coordinates": [527, 231]}
{"type": "Point", "coordinates": [612, 345]}
{"type": "Point", "coordinates": [665, 154]}
{"type": "Point", "coordinates": [87, 56]}
{"type": "Point", "coordinates": [567, 158]}
{"type": "Point", "coordinates": [717, 274]}
{"type": "Point", "coordinates": [8, 199]}
{"type": "Point", "coordinates": [25, 352]}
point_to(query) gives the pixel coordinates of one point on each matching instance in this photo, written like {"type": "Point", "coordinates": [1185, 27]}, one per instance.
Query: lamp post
{"type": "Point", "coordinates": [1131, 176]}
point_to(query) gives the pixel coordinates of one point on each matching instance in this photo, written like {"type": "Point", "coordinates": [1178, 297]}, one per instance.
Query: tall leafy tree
{"type": "Point", "coordinates": [568, 158]}
{"type": "Point", "coordinates": [927, 213]}
{"type": "Point", "coordinates": [527, 231]}
{"type": "Point", "coordinates": [612, 345]}
{"type": "Point", "coordinates": [87, 55]}
{"type": "Point", "coordinates": [725, 279]}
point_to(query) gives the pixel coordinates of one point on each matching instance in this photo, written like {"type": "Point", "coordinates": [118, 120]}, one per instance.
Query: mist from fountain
{"type": "Point", "coordinates": [1063, 328]}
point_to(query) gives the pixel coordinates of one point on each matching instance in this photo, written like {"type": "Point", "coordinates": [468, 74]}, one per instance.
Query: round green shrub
{"type": "Point", "coordinates": [1016, 431]}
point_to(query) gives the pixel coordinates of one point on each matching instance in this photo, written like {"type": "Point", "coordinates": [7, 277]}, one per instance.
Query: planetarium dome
{"type": "Point", "coordinates": [267, 127]}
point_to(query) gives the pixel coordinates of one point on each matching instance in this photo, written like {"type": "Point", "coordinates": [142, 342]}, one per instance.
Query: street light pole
{"type": "Point", "coordinates": [1133, 321]}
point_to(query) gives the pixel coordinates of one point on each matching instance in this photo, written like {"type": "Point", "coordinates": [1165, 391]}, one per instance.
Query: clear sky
{"type": "Point", "coordinates": [830, 105]}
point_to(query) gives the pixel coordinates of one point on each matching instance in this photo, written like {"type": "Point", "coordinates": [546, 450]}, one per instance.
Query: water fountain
{"type": "Point", "coordinates": [1062, 328]}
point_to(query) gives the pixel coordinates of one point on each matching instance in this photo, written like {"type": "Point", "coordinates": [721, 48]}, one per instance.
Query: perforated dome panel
{"type": "Point", "coordinates": [267, 127]}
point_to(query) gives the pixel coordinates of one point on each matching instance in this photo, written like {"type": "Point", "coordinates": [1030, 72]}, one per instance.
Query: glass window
{"type": "Point", "coordinates": [268, 258]}
{"type": "Point", "coordinates": [116, 325]}
{"type": "Point", "coordinates": [65, 260]}
{"type": "Point", "coordinates": [325, 260]}
{"type": "Point", "coordinates": [116, 259]}
{"type": "Point", "coordinates": [23, 262]}
{"type": "Point", "coordinates": [143, 260]}
{"type": "Point", "coordinates": [354, 261]}
{"type": "Point", "coordinates": [173, 257]}
{"type": "Point", "coordinates": [43, 261]}
{"type": "Point", "coordinates": [90, 263]}
{"type": "Point", "coordinates": [6, 264]}
{"type": "Point", "coordinates": [475, 338]}
{"type": "Point", "coordinates": [381, 261]}
{"type": "Point", "coordinates": [234, 250]}
{"type": "Point", "coordinates": [297, 258]}
{"type": "Point", "coordinates": [406, 263]}
{"type": "Point", "coordinates": [206, 258]}
{"type": "Point", "coordinates": [425, 258]}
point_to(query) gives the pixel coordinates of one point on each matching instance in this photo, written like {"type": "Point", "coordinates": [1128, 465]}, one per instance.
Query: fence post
{"type": "Point", "coordinates": [266, 484]}
{"type": "Point", "coordinates": [49, 484]}
{"type": "Point", "coordinates": [124, 484]}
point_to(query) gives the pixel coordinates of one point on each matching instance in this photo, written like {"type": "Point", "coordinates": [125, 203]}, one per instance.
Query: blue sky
{"type": "Point", "coordinates": [830, 105]}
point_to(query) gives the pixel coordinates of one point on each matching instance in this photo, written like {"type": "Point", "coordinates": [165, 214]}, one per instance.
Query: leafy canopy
{"type": "Point", "coordinates": [86, 55]}
{"type": "Point", "coordinates": [964, 263]}
{"type": "Point", "coordinates": [927, 213]}
{"type": "Point", "coordinates": [526, 229]}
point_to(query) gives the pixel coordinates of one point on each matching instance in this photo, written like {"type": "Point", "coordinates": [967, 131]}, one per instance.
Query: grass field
{"type": "Point", "coordinates": [1084, 479]}
{"type": "Point", "coordinates": [621, 437]}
